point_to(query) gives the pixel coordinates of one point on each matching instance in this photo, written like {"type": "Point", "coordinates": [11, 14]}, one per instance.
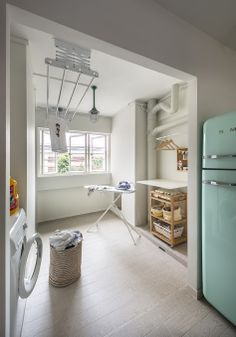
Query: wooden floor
{"type": "Point", "coordinates": [124, 291]}
{"type": "Point", "coordinates": [179, 252]}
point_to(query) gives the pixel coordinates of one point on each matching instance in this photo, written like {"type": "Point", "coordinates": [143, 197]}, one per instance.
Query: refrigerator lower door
{"type": "Point", "coordinates": [219, 240]}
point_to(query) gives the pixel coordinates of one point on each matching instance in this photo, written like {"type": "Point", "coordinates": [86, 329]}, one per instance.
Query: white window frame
{"type": "Point", "coordinates": [77, 133]}
{"type": "Point", "coordinates": [107, 151]}
{"type": "Point", "coordinates": [87, 154]}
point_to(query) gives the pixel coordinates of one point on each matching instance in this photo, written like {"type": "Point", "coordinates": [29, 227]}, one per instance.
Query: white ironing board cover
{"type": "Point", "coordinates": [105, 188]}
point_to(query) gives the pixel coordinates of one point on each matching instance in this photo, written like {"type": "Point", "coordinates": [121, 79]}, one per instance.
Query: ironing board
{"type": "Point", "coordinates": [113, 206]}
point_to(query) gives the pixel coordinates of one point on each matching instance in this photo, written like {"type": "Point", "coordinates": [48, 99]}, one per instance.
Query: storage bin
{"type": "Point", "coordinates": [165, 230]}
{"type": "Point", "coordinates": [167, 213]}
{"type": "Point", "coordinates": [157, 211]}
{"type": "Point", "coordinates": [166, 195]}
{"type": "Point", "coordinates": [65, 265]}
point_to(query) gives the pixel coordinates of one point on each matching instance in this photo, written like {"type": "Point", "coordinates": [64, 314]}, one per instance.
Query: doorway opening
{"type": "Point", "coordinates": [137, 138]}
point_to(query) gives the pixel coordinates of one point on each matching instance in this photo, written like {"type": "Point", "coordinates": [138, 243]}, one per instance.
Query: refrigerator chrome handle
{"type": "Point", "coordinates": [218, 183]}
{"type": "Point", "coordinates": [219, 156]}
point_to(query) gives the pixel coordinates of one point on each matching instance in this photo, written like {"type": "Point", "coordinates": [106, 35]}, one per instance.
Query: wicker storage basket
{"type": "Point", "coordinates": [167, 214]}
{"type": "Point", "coordinates": [157, 211]}
{"type": "Point", "coordinates": [165, 230]}
{"type": "Point", "coordinates": [176, 196]}
{"type": "Point", "coordinates": [65, 265]}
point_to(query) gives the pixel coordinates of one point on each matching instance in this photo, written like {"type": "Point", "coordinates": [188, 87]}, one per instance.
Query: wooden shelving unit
{"type": "Point", "coordinates": [171, 201]}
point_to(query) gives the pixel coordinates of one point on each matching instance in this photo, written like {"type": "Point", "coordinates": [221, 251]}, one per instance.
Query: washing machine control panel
{"type": "Point", "coordinates": [18, 232]}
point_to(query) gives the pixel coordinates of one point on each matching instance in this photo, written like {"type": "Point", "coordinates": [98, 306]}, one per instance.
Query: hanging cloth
{"type": "Point", "coordinates": [58, 127]}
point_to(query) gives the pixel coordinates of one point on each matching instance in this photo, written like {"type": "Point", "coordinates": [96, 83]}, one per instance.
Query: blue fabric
{"type": "Point", "coordinates": [123, 185]}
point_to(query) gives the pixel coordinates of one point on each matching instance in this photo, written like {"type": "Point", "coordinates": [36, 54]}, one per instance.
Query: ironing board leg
{"type": "Point", "coordinates": [113, 205]}
{"type": "Point", "coordinates": [89, 230]}
{"type": "Point", "coordinates": [127, 224]}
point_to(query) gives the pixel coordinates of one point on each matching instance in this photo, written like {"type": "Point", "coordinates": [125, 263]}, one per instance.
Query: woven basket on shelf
{"type": "Point", "coordinates": [157, 211]}
{"type": "Point", "coordinates": [167, 215]}
{"type": "Point", "coordinates": [176, 196]}
{"type": "Point", "coordinates": [166, 231]}
{"type": "Point", "coordinates": [65, 266]}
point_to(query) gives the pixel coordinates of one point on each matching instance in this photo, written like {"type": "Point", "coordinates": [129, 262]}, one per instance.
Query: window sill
{"type": "Point", "coordinates": [72, 174]}
{"type": "Point", "coordinates": [70, 181]}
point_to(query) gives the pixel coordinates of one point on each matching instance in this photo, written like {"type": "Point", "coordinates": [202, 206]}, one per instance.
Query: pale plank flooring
{"type": "Point", "coordinates": [178, 252]}
{"type": "Point", "coordinates": [124, 291]}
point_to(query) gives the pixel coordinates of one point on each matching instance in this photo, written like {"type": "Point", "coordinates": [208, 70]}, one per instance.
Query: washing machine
{"type": "Point", "coordinates": [26, 257]}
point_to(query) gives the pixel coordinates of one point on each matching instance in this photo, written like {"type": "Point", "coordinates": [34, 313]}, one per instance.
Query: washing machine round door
{"type": "Point", "coordinates": [30, 265]}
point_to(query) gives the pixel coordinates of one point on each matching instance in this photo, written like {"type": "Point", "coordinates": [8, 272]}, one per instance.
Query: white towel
{"type": "Point", "coordinates": [58, 128]}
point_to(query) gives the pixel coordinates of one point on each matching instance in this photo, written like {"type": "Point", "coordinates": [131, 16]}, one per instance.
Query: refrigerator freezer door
{"type": "Point", "coordinates": [218, 241]}
{"type": "Point", "coordinates": [219, 142]}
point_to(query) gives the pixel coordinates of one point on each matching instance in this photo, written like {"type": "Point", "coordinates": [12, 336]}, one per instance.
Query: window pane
{"type": "Point", "coordinates": [83, 149]}
{"type": "Point", "coordinates": [49, 157]}
{"type": "Point", "coordinates": [63, 163]}
{"type": "Point", "coordinates": [97, 152]}
{"type": "Point", "coordinates": [97, 162]}
{"type": "Point", "coordinates": [77, 153]}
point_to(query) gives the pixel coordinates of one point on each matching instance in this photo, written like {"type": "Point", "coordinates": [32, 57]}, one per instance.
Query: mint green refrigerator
{"type": "Point", "coordinates": [219, 214]}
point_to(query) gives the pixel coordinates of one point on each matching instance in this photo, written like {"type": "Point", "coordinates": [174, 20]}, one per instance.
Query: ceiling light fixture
{"type": "Point", "coordinates": [93, 113]}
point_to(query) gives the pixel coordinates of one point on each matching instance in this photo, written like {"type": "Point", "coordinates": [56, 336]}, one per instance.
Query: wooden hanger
{"type": "Point", "coordinates": [167, 144]}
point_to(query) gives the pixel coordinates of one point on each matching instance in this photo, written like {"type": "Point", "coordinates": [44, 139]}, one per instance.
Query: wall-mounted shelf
{"type": "Point", "coordinates": [164, 183]}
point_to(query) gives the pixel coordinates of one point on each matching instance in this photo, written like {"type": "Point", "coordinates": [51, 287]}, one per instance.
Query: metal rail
{"type": "Point", "coordinates": [59, 96]}
{"type": "Point", "coordinates": [219, 156]}
{"type": "Point", "coordinates": [70, 57]}
{"type": "Point", "coordinates": [59, 79]}
{"type": "Point", "coordinates": [48, 83]}
{"type": "Point", "coordinates": [72, 94]}
{"type": "Point", "coordinates": [85, 92]}
{"type": "Point", "coordinates": [218, 183]}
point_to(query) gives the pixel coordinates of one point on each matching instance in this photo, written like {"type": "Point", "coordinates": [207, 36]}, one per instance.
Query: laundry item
{"type": "Point", "coordinates": [92, 188]}
{"type": "Point", "coordinates": [124, 185]}
{"type": "Point", "coordinates": [61, 240]}
{"type": "Point", "coordinates": [58, 127]}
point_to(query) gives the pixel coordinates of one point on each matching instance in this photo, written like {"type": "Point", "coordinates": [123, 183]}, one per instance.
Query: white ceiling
{"type": "Point", "coordinates": [119, 83]}
{"type": "Point", "coordinates": [215, 17]}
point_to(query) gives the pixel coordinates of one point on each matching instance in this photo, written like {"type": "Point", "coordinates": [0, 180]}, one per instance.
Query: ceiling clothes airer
{"type": "Point", "coordinates": [93, 113]}
{"type": "Point", "coordinates": [75, 59]}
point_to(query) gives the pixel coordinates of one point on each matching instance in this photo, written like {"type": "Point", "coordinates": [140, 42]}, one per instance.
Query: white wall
{"type": "Point", "coordinates": [31, 179]}
{"type": "Point", "coordinates": [19, 118]}
{"type": "Point", "coordinates": [163, 39]}
{"type": "Point", "coordinates": [22, 142]}
{"type": "Point", "coordinates": [4, 170]}
{"type": "Point", "coordinates": [123, 155]}
{"type": "Point", "coordinates": [167, 160]}
{"type": "Point", "coordinates": [128, 158]}
{"type": "Point", "coordinates": [80, 122]}
{"type": "Point", "coordinates": [141, 202]}
{"type": "Point", "coordinates": [22, 164]}
{"type": "Point", "coordinates": [60, 197]}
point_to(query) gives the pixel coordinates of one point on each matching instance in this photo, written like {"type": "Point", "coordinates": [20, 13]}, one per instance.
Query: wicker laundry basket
{"type": "Point", "coordinates": [65, 265]}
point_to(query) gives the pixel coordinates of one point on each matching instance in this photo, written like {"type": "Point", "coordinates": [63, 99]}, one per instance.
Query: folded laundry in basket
{"type": "Point", "coordinates": [61, 240]}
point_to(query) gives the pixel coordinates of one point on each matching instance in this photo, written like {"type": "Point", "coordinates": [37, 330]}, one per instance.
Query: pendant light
{"type": "Point", "coordinates": [93, 113]}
